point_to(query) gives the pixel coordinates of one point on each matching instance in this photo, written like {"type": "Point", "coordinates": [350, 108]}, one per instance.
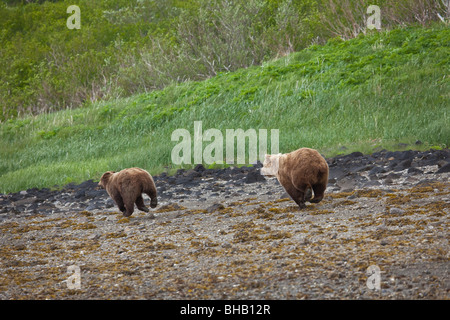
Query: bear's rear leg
{"type": "Point", "coordinates": [319, 191]}
{"type": "Point", "coordinates": [140, 204]}
{"type": "Point", "coordinates": [296, 195]}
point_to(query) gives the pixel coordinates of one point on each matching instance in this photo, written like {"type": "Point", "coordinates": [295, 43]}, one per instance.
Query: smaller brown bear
{"type": "Point", "coordinates": [298, 172]}
{"type": "Point", "coordinates": [126, 187]}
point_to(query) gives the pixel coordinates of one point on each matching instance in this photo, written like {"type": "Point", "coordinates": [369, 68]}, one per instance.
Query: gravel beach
{"type": "Point", "coordinates": [381, 232]}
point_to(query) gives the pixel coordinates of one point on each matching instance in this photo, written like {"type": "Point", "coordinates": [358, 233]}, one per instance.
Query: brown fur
{"type": "Point", "coordinates": [126, 187]}
{"type": "Point", "coordinates": [299, 172]}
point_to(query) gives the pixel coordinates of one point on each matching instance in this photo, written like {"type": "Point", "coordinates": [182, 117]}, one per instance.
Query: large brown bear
{"type": "Point", "coordinates": [298, 172]}
{"type": "Point", "coordinates": [126, 187]}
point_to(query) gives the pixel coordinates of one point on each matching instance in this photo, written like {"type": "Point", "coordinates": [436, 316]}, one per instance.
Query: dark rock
{"type": "Point", "coordinates": [214, 207]}
{"type": "Point", "coordinates": [356, 154]}
{"type": "Point", "coordinates": [186, 181]}
{"type": "Point", "coordinates": [401, 155]}
{"type": "Point", "coordinates": [350, 182]}
{"type": "Point", "coordinates": [95, 205]}
{"type": "Point", "coordinates": [441, 163]}
{"type": "Point", "coordinates": [80, 194]}
{"type": "Point", "coordinates": [379, 153]}
{"type": "Point", "coordinates": [394, 163]}
{"type": "Point", "coordinates": [337, 173]}
{"type": "Point", "coordinates": [361, 168]}
{"type": "Point", "coordinates": [180, 172]}
{"type": "Point", "coordinates": [39, 199]}
{"type": "Point", "coordinates": [92, 194]}
{"type": "Point", "coordinates": [44, 208]}
{"type": "Point", "coordinates": [376, 170]}
{"type": "Point", "coordinates": [33, 191]}
{"type": "Point", "coordinates": [442, 154]}
{"type": "Point", "coordinates": [24, 202]}
{"type": "Point", "coordinates": [348, 157]}
{"type": "Point", "coordinates": [258, 165]}
{"type": "Point", "coordinates": [199, 168]}
{"type": "Point", "coordinates": [372, 183]}
{"type": "Point", "coordinates": [254, 176]}
{"type": "Point", "coordinates": [161, 176]}
{"type": "Point", "coordinates": [403, 165]}
{"type": "Point", "coordinates": [109, 203]}
{"type": "Point", "coordinates": [89, 184]}
{"type": "Point", "coordinates": [392, 176]}
{"type": "Point", "coordinates": [68, 187]}
{"type": "Point", "coordinates": [192, 174]}
{"type": "Point", "coordinates": [444, 168]}
{"type": "Point", "coordinates": [15, 196]}
{"type": "Point", "coordinates": [413, 171]}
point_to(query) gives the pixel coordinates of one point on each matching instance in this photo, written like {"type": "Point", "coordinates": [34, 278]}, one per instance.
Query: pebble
{"type": "Point", "coordinates": [396, 211]}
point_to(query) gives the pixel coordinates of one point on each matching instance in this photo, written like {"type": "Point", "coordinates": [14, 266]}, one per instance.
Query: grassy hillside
{"type": "Point", "coordinates": [369, 92]}
{"type": "Point", "coordinates": [126, 47]}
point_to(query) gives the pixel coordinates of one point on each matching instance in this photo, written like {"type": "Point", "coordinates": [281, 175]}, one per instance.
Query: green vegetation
{"type": "Point", "coordinates": [375, 90]}
{"type": "Point", "coordinates": [127, 47]}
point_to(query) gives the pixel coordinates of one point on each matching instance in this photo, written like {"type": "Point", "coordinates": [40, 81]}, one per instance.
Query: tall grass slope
{"type": "Point", "coordinates": [370, 92]}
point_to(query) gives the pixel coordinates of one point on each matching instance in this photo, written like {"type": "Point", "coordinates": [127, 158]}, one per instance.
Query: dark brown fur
{"type": "Point", "coordinates": [299, 172]}
{"type": "Point", "coordinates": [126, 187]}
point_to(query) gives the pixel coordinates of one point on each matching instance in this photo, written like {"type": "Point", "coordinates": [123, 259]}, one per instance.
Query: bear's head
{"type": "Point", "coordinates": [105, 179]}
{"type": "Point", "coordinates": [270, 165]}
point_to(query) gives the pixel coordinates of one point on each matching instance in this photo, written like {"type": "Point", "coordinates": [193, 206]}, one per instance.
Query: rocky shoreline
{"type": "Point", "coordinates": [347, 172]}
{"type": "Point", "coordinates": [234, 234]}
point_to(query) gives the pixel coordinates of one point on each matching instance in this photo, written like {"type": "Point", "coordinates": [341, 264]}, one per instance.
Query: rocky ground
{"type": "Point", "coordinates": [234, 234]}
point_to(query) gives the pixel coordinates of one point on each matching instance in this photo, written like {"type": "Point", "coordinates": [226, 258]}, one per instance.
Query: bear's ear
{"type": "Point", "coordinates": [106, 175]}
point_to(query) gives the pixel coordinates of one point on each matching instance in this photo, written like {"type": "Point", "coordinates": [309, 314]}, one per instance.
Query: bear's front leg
{"type": "Point", "coordinates": [129, 210]}
{"type": "Point", "coordinates": [129, 205]}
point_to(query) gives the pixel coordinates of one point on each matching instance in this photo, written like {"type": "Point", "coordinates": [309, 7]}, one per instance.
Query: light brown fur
{"type": "Point", "coordinates": [298, 172]}
{"type": "Point", "coordinates": [126, 187]}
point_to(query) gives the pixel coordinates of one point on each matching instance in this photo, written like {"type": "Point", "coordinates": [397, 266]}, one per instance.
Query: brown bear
{"type": "Point", "coordinates": [126, 187]}
{"type": "Point", "coordinates": [298, 172]}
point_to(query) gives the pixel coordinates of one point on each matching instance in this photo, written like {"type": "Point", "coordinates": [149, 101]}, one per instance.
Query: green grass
{"type": "Point", "coordinates": [370, 92]}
